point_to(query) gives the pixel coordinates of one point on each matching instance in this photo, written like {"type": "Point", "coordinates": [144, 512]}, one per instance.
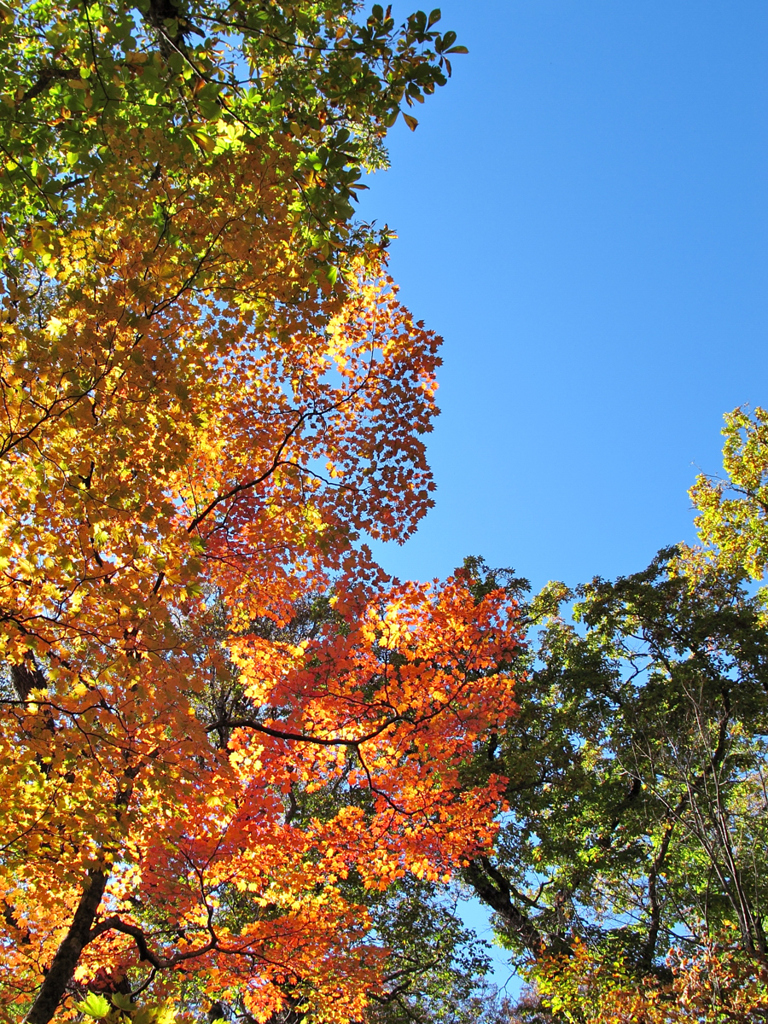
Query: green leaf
{"type": "Point", "coordinates": [94, 1006]}
{"type": "Point", "coordinates": [410, 121]}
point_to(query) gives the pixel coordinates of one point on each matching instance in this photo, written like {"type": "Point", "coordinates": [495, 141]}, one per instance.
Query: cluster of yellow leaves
{"type": "Point", "coordinates": [732, 520]}
{"type": "Point", "coordinates": [145, 426]}
{"type": "Point", "coordinates": [720, 983]}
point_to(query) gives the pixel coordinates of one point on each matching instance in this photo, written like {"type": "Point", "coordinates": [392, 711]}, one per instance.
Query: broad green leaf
{"type": "Point", "coordinates": [94, 1005]}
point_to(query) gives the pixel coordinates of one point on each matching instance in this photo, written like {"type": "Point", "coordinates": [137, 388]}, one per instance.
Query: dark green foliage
{"type": "Point", "coordinates": [637, 797]}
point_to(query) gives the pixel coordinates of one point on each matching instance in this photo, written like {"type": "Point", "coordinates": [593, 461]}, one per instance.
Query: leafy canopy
{"type": "Point", "coordinates": [220, 726]}
{"type": "Point", "coordinates": [97, 93]}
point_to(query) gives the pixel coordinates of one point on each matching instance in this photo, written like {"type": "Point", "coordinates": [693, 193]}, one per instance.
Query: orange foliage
{"type": "Point", "coordinates": [178, 476]}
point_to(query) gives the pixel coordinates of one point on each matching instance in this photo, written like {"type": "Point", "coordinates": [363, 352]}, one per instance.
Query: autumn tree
{"type": "Point", "coordinates": [209, 393]}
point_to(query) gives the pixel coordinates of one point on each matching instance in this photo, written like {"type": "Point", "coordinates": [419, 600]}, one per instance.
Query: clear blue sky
{"type": "Point", "coordinates": [582, 215]}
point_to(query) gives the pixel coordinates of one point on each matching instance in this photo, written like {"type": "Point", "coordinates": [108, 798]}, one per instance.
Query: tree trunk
{"type": "Point", "coordinates": [63, 967]}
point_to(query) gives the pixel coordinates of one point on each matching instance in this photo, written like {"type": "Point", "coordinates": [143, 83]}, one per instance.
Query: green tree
{"type": "Point", "coordinates": [638, 815]}
{"type": "Point", "coordinates": [629, 874]}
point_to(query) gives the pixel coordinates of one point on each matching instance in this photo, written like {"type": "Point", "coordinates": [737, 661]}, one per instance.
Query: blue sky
{"type": "Point", "coordinates": [582, 215]}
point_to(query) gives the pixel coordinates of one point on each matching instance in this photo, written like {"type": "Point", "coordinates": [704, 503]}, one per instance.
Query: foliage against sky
{"type": "Point", "coordinates": [209, 392]}
{"type": "Point", "coordinates": [230, 747]}
{"type": "Point", "coordinates": [628, 879]}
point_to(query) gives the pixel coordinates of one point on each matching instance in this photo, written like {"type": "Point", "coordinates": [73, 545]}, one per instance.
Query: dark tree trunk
{"type": "Point", "coordinates": [63, 967]}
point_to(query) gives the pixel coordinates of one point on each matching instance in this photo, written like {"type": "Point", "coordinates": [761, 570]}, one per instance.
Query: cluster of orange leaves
{"type": "Point", "coordinates": [180, 464]}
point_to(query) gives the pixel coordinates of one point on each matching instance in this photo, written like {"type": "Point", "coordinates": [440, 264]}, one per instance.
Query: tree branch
{"type": "Point", "coordinates": [47, 76]}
